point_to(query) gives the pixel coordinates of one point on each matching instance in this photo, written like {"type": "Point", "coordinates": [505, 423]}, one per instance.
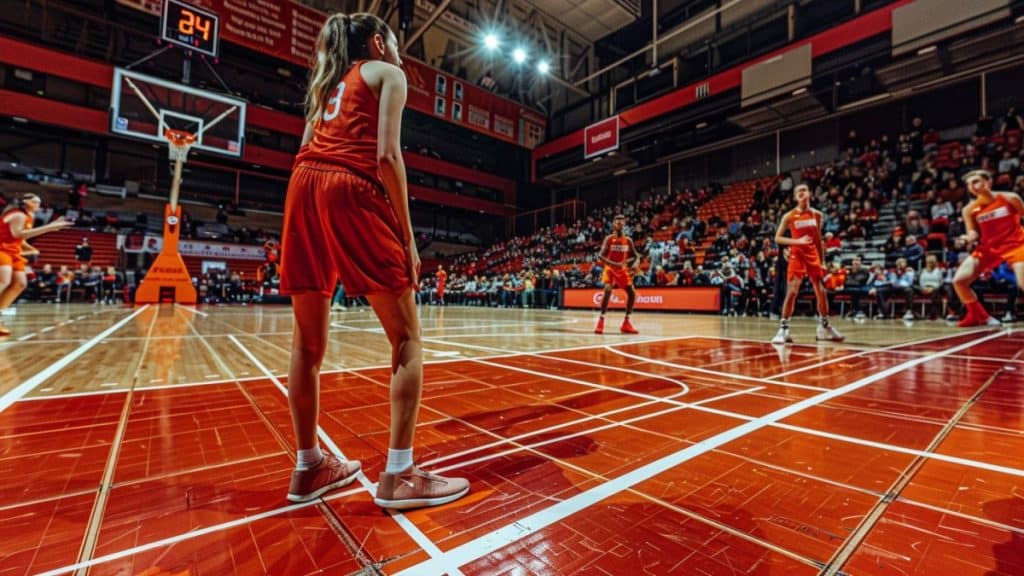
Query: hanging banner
{"type": "Point", "coordinates": [601, 137]}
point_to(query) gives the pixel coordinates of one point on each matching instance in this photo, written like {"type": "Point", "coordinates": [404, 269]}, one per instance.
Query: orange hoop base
{"type": "Point", "coordinates": [168, 278]}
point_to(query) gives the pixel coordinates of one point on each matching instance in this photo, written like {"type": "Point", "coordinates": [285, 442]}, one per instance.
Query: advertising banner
{"type": "Point", "coordinates": [601, 137]}
{"type": "Point", "coordinates": [684, 299]}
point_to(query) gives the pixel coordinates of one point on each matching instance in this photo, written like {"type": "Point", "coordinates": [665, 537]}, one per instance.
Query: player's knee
{"type": "Point", "coordinates": [310, 352]}
{"type": "Point", "coordinates": [19, 282]}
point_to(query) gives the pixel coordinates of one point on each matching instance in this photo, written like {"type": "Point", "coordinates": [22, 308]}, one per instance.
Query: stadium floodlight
{"type": "Point", "coordinates": [519, 55]}
{"type": "Point", "coordinates": [543, 67]}
{"type": "Point", "coordinates": [491, 41]}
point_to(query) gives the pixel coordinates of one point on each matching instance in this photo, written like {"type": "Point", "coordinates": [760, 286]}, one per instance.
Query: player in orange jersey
{"type": "Point", "coordinates": [621, 261]}
{"type": "Point", "coordinates": [15, 230]}
{"type": "Point", "coordinates": [347, 215]}
{"type": "Point", "coordinates": [806, 253]}
{"type": "Point", "coordinates": [442, 280]}
{"type": "Point", "coordinates": [993, 220]}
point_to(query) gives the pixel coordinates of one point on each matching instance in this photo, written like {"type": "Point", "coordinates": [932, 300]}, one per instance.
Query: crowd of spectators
{"type": "Point", "coordinates": [893, 232]}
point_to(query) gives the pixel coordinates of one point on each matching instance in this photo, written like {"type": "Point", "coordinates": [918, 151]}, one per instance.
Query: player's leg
{"type": "Point", "coordinates": [627, 327]}
{"type": "Point", "coordinates": [315, 472]}
{"type": "Point", "coordinates": [15, 285]}
{"type": "Point", "coordinates": [825, 330]}
{"type": "Point", "coordinates": [974, 313]}
{"type": "Point", "coordinates": [599, 329]}
{"type": "Point", "coordinates": [1011, 298]}
{"type": "Point", "coordinates": [788, 306]}
{"type": "Point", "coordinates": [6, 272]}
{"type": "Point", "coordinates": [401, 484]}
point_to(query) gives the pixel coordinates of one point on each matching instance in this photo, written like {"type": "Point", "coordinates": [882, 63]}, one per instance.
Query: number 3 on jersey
{"type": "Point", "coordinates": [334, 104]}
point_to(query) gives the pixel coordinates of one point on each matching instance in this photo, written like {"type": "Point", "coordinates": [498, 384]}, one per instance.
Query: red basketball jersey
{"type": "Point", "coordinates": [618, 249]}
{"type": "Point", "coordinates": [804, 224]}
{"type": "Point", "coordinates": [999, 226]}
{"type": "Point", "coordinates": [8, 243]}
{"type": "Point", "coordinates": [346, 131]}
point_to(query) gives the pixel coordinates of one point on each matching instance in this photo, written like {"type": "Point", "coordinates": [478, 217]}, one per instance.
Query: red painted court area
{"type": "Point", "coordinates": [688, 456]}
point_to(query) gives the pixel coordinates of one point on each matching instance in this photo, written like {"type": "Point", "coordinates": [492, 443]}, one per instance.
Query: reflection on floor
{"type": "Point", "coordinates": [157, 441]}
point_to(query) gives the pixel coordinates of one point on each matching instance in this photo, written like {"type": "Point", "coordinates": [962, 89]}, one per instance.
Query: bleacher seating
{"type": "Point", "coordinates": [58, 248]}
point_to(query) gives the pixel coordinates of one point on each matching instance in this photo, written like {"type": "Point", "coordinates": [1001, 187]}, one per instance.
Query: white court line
{"type": "Point", "coordinates": [25, 387]}
{"type": "Point", "coordinates": [480, 547]}
{"type": "Point", "coordinates": [622, 424]}
{"type": "Point", "coordinates": [411, 529]}
{"type": "Point", "coordinates": [739, 416]}
{"type": "Point", "coordinates": [868, 351]}
{"type": "Point", "coordinates": [199, 532]}
{"type": "Point", "coordinates": [192, 310]}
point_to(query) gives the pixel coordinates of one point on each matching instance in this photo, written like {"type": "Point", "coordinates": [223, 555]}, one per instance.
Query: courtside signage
{"type": "Point", "coordinates": [601, 138]}
{"type": "Point", "coordinates": [685, 299]}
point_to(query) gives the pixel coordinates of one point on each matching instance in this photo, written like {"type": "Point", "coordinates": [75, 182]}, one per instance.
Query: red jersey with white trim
{"type": "Point", "coordinates": [618, 249]}
{"type": "Point", "coordinates": [346, 132]}
{"type": "Point", "coordinates": [999, 226]}
{"type": "Point", "coordinates": [801, 225]}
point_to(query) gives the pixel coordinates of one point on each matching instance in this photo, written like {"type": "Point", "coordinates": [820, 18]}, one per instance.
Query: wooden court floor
{"type": "Point", "coordinates": [156, 441]}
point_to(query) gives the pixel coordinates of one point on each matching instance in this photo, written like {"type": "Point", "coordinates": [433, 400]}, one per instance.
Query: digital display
{"type": "Point", "coordinates": [188, 26]}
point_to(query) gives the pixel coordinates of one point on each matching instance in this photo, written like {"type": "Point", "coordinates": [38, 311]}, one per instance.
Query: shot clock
{"type": "Point", "coordinates": [191, 27]}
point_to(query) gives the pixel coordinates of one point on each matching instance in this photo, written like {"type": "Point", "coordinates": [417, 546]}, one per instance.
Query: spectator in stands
{"type": "Point", "coordinates": [1011, 121]}
{"type": "Point", "coordinates": [112, 282]}
{"type": "Point", "coordinates": [833, 246]}
{"type": "Point", "coordinates": [83, 253]}
{"type": "Point", "coordinates": [914, 225]}
{"type": "Point", "coordinates": [529, 289]}
{"type": "Point", "coordinates": [65, 280]}
{"type": "Point", "coordinates": [733, 290]}
{"type": "Point", "coordinates": [45, 285]}
{"type": "Point", "coordinates": [1009, 164]}
{"type": "Point", "coordinates": [835, 283]}
{"type": "Point", "coordinates": [901, 282]}
{"type": "Point", "coordinates": [856, 286]}
{"type": "Point", "coordinates": [92, 282]}
{"type": "Point", "coordinates": [930, 285]}
{"type": "Point", "coordinates": [1002, 281]}
{"type": "Point", "coordinates": [913, 252]}
{"type": "Point", "coordinates": [879, 287]}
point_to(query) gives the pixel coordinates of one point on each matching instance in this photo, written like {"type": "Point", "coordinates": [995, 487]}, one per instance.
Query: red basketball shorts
{"type": "Point", "coordinates": [617, 277]}
{"type": "Point", "coordinates": [15, 261]}
{"type": "Point", "coordinates": [340, 225]}
{"type": "Point", "coordinates": [989, 259]}
{"type": "Point", "coordinates": [805, 265]}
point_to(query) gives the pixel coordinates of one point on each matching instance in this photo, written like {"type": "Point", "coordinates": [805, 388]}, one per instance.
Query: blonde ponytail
{"type": "Point", "coordinates": [343, 40]}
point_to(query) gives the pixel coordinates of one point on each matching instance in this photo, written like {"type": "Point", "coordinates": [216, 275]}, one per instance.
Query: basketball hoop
{"type": "Point", "coordinates": [179, 143]}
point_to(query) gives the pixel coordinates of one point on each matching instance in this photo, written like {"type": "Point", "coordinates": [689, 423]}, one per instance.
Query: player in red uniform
{"type": "Point", "coordinates": [347, 215]}
{"type": "Point", "coordinates": [442, 279]}
{"type": "Point", "coordinates": [620, 260]}
{"type": "Point", "coordinates": [15, 229]}
{"type": "Point", "coordinates": [993, 220]}
{"type": "Point", "coordinates": [806, 253]}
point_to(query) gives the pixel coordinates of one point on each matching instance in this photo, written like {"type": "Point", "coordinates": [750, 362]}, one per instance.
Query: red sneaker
{"type": "Point", "coordinates": [975, 320]}
{"type": "Point", "coordinates": [627, 328]}
{"type": "Point", "coordinates": [330, 474]}
{"type": "Point", "coordinates": [600, 326]}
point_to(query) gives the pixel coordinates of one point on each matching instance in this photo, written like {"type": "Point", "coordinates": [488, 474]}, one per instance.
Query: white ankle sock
{"type": "Point", "coordinates": [398, 460]}
{"type": "Point", "coordinates": [306, 459]}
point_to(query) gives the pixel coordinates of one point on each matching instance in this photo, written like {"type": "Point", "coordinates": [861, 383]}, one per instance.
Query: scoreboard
{"type": "Point", "coordinates": [190, 27]}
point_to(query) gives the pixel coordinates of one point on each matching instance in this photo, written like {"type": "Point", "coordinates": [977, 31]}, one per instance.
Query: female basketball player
{"type": "Point", "coordinates": [15, 229]}
{"type": "Point", "coordinates": [806, 252]}
{"type": "Point", "coordinates": [347, 215]}
{"type": "Point", "coordinates": [993, 221]}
